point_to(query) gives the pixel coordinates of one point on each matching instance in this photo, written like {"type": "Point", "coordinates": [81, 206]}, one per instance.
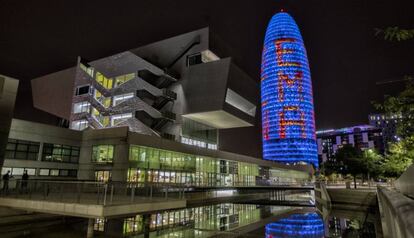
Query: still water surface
{"type": "Point", "coordinates": [219, 220]}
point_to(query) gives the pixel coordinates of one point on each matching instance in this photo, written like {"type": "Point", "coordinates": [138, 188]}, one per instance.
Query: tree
{"type": "Point", "coordinates": [401, 153]}
{"type": "Point", "coordinates": [395, 33]}
{"type": "Point", "coordinates": [399, 158]}
{"type": "Point", "coordinates": [401, 105]}
{"type": "Point", "coordinates": [349, 159]}
{"type": "Point", "coordinates": [371, 163]}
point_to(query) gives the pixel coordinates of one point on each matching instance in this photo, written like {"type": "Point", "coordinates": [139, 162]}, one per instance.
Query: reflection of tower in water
{"type": "Point", "coordinates": [309, 225]}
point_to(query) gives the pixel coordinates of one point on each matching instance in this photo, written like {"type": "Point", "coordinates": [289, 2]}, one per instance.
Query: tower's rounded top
{"type": "Point", "coordinates": [282, 25]}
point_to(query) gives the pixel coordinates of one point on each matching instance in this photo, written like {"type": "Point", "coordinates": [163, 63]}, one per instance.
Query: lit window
{"type": "Point", "coordinates": [79, 125]}
{"type": "Point", "coordinates": [103, 153]}
{"type": "Point", "coordinates": [104, 81]}
{"type": "Point", "coordinates": [44, 172]}
{"type": "Point", "coordinates": [105, 101]}
{"type": "Point", "coordinates": [60, 153]}
{"type": "Point", "coordinates": [87, 70]}
{"type": "Point", "coordinates": [99, 225]}
{"type": "Point", "coordinates": [122, 98]}
{"type": "Point", "coordinates": [117, 119]}
{"type": "Point", "coordinates": [54, 172]}
{"type": "Point", "coordinates": [81, 107]}
{"type": "Point", "coordinates": [123, 79]}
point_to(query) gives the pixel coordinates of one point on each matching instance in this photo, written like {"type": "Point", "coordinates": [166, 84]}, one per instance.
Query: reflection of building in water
{"type": "Point", "coordinates": [297, 225]}
{"type": "Point", "coordinates": [190, 222]}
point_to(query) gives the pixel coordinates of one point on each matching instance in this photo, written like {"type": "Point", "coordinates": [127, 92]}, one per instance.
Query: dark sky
{"type": "Point", "coordinates": [346, 59]}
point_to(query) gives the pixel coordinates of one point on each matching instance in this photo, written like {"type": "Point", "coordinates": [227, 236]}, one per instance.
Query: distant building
{"type": "Point", "coordinates": [388, 125]}
{"type": "Point", "coordinates": [362, 137]}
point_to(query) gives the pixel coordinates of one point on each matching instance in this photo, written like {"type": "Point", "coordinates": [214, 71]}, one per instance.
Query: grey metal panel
{"type": "Point", "coordinates": [123, 63]}
{"type": "Point", "coordinates": [205, 86]}
{"type": "Point", "coordinates": [243, 84]}
{"type": "Point", "coordinates": [53, 92]}
{"type": "Point", "coordinates": [136, 84]}
{"type": "Point", "coordinates": [163, 52]}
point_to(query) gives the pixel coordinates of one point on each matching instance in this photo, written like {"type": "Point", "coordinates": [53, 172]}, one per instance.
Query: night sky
{"type": "Point", "coordinates": [346, 59]}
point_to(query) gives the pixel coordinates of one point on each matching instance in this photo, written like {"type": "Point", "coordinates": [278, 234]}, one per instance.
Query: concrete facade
{"type": "Point", "coordinates": [8, 92]}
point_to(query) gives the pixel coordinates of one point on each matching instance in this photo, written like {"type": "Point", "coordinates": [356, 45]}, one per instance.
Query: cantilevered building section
{"type": "Point", "coordinates": [180, 88]}
{"type": "Point", "coordinates": [286, 93]}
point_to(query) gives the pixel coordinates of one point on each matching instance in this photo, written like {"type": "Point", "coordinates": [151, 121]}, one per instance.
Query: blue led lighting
{"type": "Point", "coordinates": [287, 101]}
{"type": "Point", "coordinates": [309, 225]}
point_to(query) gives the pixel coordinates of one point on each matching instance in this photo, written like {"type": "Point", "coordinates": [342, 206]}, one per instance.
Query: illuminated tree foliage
{"type": "Point", "coordinates": [402, 104]}
{"type": "Point", "coordinates": [395, 33]}
{"type": "Point", "coordinates": [399, 157]}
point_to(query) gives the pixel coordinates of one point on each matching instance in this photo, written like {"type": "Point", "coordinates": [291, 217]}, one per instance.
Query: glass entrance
{"type": "Point", "coordinates": [102, 175]}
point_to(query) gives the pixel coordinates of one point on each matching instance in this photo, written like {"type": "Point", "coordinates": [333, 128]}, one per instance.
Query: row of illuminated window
{"type": "Point", "coordinates": [107, 83]}
{"type": "Point", "coordinates": [105, 121]}
{"type": "Point", "coordinates": [189, 141]}
{"type": "Point", "coordinates": [152, 158]}
{"type": "Point", "coordinates": [60, 153]}
{"type": "Point", "coordinates": [28, 150]}
{"type": "Point", "coordinates": [211, 217]}
{"type": "Point", "coordinates": [203, 179]}
{"type": "Point", "coordinates": [40, 171]}
{"type": "Point", "coordinates": [105, 101]}
{"type": "Point", "coordinates": [384, 117]}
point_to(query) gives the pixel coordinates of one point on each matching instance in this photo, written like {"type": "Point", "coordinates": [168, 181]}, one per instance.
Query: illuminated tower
{"type": "Point", "coordinates": [287, 101]}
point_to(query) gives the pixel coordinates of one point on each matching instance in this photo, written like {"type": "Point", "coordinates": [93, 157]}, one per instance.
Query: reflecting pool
{"type": "Point", "coordinates": [218, 220]}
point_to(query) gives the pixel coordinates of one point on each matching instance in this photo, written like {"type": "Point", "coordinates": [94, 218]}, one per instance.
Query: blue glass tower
{"type": "Point", "coordinates": [309, 225]}
{"type": "Point", "coordinates": [288, 124]}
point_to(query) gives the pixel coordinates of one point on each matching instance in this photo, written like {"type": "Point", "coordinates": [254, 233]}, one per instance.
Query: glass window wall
{"type": "Point", "coordinates": [103, 153]}
{"type": "Point", "coordinates": [81, 107]}
{"type": "Point", "coordinates": [60, 153]}
{"type": "Point", "coordinates": [154, 165]}
{"type": "Point", "coordinates": [79, 125]}
{"type": "Point", "coordinates": [23, 150]}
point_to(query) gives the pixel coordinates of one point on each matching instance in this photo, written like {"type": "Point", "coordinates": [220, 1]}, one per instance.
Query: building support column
{"type": "Point", "coordinates": [40, 153]}
{"type": "Point", "coordinates": [146, 224]}
{"type": "Point", "coordinates": [89, 232]}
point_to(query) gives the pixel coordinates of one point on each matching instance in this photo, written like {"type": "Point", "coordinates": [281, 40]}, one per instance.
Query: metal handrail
{"type": "Point", "coordinates": [90, 192]}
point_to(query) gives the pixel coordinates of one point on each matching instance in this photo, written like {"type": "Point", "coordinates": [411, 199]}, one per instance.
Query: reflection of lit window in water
{"type": "Point", "coordinates": [206, 218]}
{"type": "Point", "coordinates": [99, 224]}
{"type": "Point", "coordinates": [308, 225]}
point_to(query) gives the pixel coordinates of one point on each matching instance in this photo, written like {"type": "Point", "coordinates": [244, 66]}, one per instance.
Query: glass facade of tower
{"type": "Point", "coordinates": [286, 94]}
